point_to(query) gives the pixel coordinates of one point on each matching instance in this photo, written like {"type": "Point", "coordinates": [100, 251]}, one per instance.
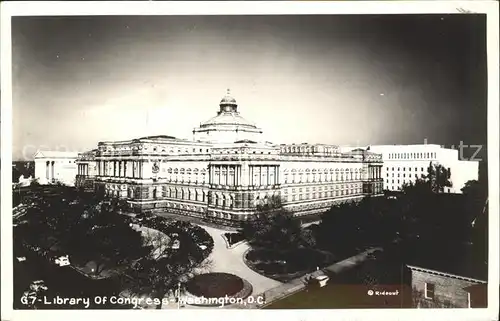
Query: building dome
{"type": "Point", "coordinates": [228, 100]}
{"type": "Point", "coordinates": [228, 125]}
{"type": "Point", "coordinates": [228, 104]}
{"type": "Point", "coordinates": [228, 119]}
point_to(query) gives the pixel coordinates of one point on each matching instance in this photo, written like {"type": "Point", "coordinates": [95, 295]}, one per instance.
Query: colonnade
{"type": "Point", "coordinates": [49, 170]}
{"type": "Point", "coordinates": [120, 168]}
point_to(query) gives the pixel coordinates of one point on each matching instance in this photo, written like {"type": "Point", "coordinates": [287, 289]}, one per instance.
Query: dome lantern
{"type": "Point", "coordinates": [228, 103]}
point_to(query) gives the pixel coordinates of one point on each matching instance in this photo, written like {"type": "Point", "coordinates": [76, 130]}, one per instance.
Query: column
{"type": "Point", "coordinates": [227, 175]}
{"type": "Point", "coordinates": [244, 173]}
{"type": "Point", "coordinates": [250, 182]}
{"type": "Point", "coordinates": [268, 175]}
{"type": "Point", "coordinates": [53, 164]}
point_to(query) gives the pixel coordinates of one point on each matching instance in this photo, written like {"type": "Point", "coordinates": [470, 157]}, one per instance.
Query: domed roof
{"type": "Point", "coordinates": [228, 100]}
{"type": "Point", "coordinates": [228, 119]}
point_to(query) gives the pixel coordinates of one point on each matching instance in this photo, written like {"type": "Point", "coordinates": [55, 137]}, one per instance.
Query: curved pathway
{"type": "Point", "coordinates": [231, 261]}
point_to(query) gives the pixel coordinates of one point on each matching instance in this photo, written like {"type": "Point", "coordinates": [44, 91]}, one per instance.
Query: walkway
{"type": "Point", "coordinates": [231, 261]}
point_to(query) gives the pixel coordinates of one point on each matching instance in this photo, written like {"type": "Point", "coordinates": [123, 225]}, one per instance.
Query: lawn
{"type": "Point", "coordinates": [233, 238]}
{"type": "Point", "coordinates": [215, 285]}
{"type": "Point", "coordinates": [286, 265]}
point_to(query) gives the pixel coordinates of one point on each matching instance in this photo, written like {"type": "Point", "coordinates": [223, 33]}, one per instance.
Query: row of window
{"type": "Point", "coordinates": [159, 149]}
{"type": "Point", "coordinates": [404, 169]}
{"type": "Point", "coordinates": [412, 155]}
{"type": "Point", "coordinates": [404, 175]}
{"type": "Point", "coordinates": [320, 188]}
{"type": "Point", "coordinates": [404, 181]}
{"type": "Point", "coordinates": [308, 196]}
{"type": "Point", "coordinates": [312, 178]}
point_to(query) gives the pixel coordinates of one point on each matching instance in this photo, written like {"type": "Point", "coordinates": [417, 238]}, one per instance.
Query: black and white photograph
{"type": "Point", "coordinates": [186, 156]}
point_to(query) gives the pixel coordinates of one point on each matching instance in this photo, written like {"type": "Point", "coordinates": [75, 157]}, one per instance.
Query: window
{"type": "Point", "coordinates": [398, 168]}
{"type": "Point", "coordinates": [429, 290]}
{"type": "Point", "coordinates": [404, 169]}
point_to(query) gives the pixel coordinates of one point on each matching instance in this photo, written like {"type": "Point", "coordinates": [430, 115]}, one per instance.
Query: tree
{"type": "Point", "coordinates": [158, 276]}
{"type": "Point", "coordinates": [475, 193]}
{"type": "Point", "coordinates": [275, 228]}
{"type": "Point", "coordinates": [106, 238]}
{"type": "Point", "coordinates": [438, 177]}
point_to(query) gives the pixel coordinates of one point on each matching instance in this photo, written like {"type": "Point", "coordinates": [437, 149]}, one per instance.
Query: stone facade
{"type": "Point", "coordinates": [449, 290]}
{"type": "Point", "coordinates": [52, 167]}
{"type": "Point", "coordinates": [224, 180]}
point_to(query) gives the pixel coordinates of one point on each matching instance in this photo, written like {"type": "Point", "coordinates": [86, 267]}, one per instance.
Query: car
{"type": "Point", "coordinates": [140, 217]}
{"type": "Point", "coordinates": [62, 260]}
{"type": "Point", "coordinates": [21, 259]}
{"type": "Point", "coordinates": [38, 285]}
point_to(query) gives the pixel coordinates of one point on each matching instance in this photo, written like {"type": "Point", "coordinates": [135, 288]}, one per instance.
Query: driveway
{"type": "Point", "coordinates": [231, 261]}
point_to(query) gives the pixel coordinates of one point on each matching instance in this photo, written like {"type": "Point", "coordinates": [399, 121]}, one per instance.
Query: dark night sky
{"type": "Point", "coordinates": [393, 79]}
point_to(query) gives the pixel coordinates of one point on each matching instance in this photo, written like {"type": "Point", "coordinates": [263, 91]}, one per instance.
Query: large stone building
{"type": "Point", "coordinates": [226, 170]}
{"type": "Point", "coordinates": [55, 167]}
{"type": "Point", "coordinates": [406, 163]}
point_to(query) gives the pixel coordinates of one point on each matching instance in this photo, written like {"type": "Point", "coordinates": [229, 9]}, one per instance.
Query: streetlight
{"type": "Point", "coordinates": [178, 295]}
